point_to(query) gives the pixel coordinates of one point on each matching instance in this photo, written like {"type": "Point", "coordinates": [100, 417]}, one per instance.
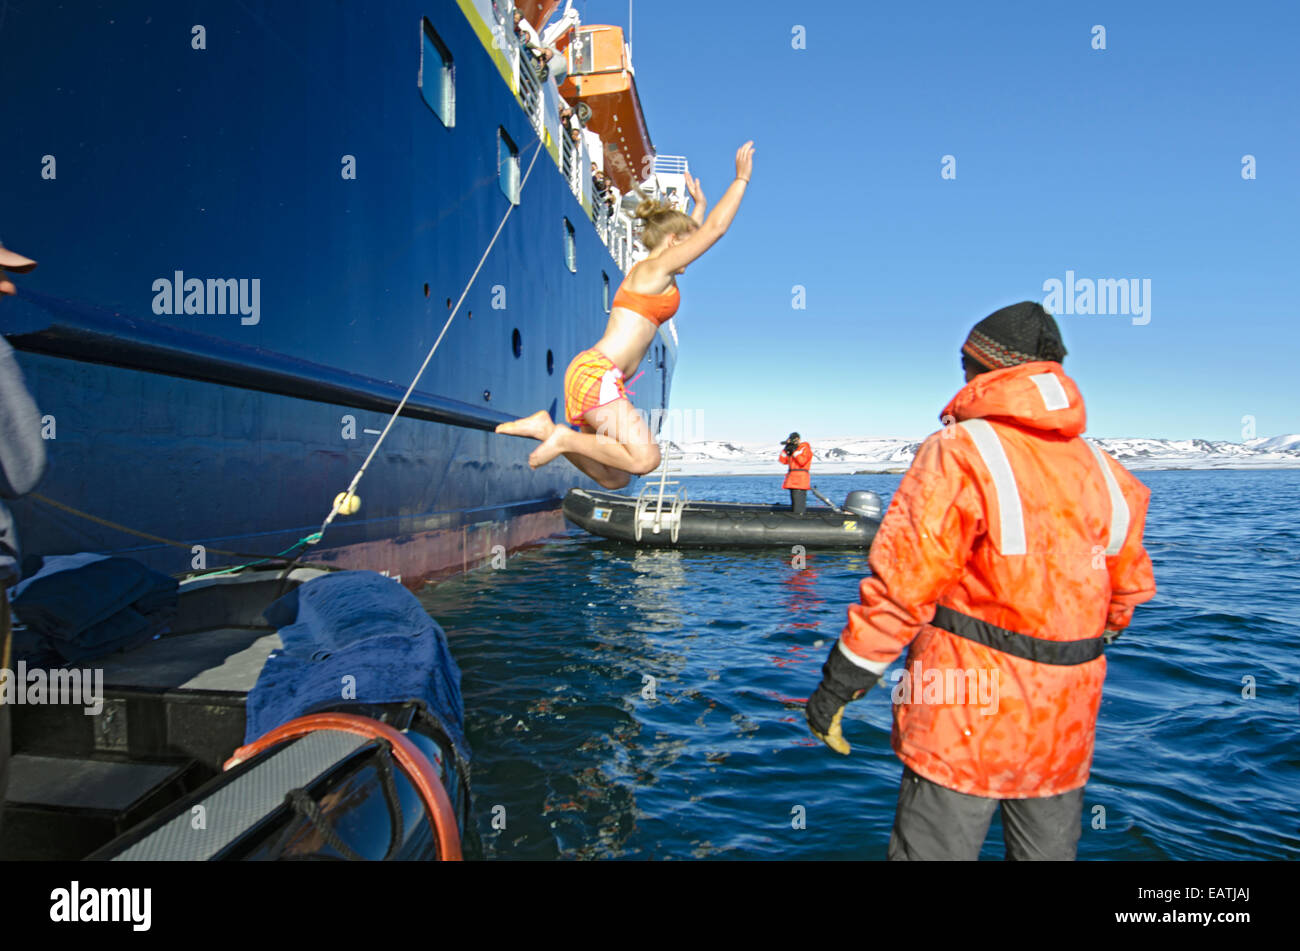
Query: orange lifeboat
{"type": "Point", "coordinates": [600, 75]}
{"type": "Point", "coordinates": [537, 12]}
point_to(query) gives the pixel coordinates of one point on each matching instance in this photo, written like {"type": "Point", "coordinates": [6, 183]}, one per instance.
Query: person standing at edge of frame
{"type": "Point", "coordinates": [22, 463]}
{"type": "Point", "coordinates": [1010, 553]}
{"type": "Point", "coordinates": [797, 454]}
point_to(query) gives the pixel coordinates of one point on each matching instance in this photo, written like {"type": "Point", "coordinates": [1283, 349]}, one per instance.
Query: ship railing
{"type": "Point", "coordinates": [671, 164]}
{"type": "Point", "coordinates": [541, 99]}
{"type": "Point", "coordinates": [668, 181]}
{"type": "Point", "coordinates": [613, 226]}
{"type": "Point", "coordinates": [568, 156]}
{"type": "Point", "coordinates": [623, 246]}
{"type": "Point", "coordinates": [583, 186]}
{"type": "Point", "coordinates": [603, 219]}
{"type": "Point", "coordinates": [574, 164]}
{"type": "Point", "coordinates": [616, 242]}
{"type": "Point", "coordinates": [530, 88]}
{"type": "Point", "coordinates": [607, 223]}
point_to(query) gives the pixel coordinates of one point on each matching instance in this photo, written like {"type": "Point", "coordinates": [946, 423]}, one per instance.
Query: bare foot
{"type": "Point", "coordinates": [552, 446]}
{"type": "Point", "coordinates": [538, 426]}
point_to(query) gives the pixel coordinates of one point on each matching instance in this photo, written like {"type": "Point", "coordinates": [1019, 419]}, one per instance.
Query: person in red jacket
{"type": "Point", "coordinates": [798, 456]}
{"type": "Point", "coordinates": [1010, 553]}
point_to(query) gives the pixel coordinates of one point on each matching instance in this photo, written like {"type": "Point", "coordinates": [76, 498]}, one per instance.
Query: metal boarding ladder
{"type": "Point", "coordinates": [660, 510]}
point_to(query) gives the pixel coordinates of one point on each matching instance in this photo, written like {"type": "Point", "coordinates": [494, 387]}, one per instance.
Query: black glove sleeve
{"type": "Point", "coordinates": [842, 681]}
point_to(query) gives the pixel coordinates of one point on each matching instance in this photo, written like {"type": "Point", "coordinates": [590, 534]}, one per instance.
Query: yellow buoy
{"type": "Point", "coordinates": [347, 505]}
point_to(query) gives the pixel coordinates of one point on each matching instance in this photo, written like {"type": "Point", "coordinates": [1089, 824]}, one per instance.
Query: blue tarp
{"type": "Point", "coordinates": [355, 636]}
{"type": "Point", "coordinates": [81, 607]}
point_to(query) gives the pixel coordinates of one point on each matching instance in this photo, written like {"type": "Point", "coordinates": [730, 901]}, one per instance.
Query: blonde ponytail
{"type": "Point", "coordinates": [660, 221]}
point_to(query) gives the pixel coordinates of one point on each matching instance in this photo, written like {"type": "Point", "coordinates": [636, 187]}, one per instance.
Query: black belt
{"type": "Point", "coordinates": [1060, 653]}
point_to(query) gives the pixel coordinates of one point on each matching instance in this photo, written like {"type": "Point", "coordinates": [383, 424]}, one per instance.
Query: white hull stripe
{"type": "Point", "coordinates": [1118, 507]}
{"type": "Point", "coordinates": [1004, 482]}
{"type": "Point", "coordinates": [876, 667]}
{"type": "Point", "coordinates": [1049, 387]}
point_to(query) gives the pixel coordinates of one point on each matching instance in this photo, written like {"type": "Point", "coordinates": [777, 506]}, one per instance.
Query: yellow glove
{"type": "Point", "coordinates": [834, 736]}
{"type": "Point", "coordinates": [842, 682]}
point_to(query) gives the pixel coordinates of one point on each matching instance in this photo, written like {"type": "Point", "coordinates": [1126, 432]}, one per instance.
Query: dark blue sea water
{"type": "Point", "coordinates": [557, 649]}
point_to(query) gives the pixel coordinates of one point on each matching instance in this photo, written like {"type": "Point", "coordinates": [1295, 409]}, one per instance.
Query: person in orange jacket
{"type": "Point", "coordinates": [798, 456]}
{"type": "Point", "coordinates": [1010, 553]}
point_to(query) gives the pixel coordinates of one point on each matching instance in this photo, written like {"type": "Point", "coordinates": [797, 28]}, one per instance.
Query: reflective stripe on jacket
{"type": "Point", "coordinates": [1027, 541]}
{"type": "Point", "coordinates": [799, 463]}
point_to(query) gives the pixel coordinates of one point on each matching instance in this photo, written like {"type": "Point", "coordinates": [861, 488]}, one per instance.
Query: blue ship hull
{"type": "Point", "coordinates": [132, 156]}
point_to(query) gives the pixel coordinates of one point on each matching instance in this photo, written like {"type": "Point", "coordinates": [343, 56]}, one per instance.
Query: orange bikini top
{"type": "Point", "coordinates": [655, 308]}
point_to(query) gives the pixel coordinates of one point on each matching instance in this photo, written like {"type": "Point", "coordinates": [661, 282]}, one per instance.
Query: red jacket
{"type": "Point", "coordinates": [1006, 518]}
{"type": "Point", "coordinates": [799, 464]}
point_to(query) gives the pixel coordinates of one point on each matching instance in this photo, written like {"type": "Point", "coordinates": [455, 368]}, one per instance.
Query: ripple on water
{"type": "Point", "coordinates": [626, 704]}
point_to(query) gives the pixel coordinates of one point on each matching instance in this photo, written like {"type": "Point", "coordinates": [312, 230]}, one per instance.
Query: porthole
{"type": "Point", "coordinates": [437, 79]}
{"type": "Point", "coordinates": [508, 166]}
{"type": "Point", "coordinates": [570, 247]}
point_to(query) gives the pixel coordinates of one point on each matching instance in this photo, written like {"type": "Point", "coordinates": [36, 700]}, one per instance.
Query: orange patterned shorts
{"type": "Point", "coordinates": [591, 381]}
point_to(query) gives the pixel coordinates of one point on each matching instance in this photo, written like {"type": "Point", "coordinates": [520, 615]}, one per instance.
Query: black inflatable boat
{"type": "Point", "coordinates": [174, 767]}
{"type": "Point", "coordinates": [652, 520]}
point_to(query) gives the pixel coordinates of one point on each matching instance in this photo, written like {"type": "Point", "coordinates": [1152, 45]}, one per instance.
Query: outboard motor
{"type": "Point", "coordinates": [866, 503]}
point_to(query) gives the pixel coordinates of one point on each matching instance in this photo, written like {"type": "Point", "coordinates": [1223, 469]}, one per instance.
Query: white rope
{"type": "Point", "coordinates": [343, 499]}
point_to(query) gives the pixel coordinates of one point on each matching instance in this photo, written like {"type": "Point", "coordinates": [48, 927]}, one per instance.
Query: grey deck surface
{"type": "Point", "coordinates": [228, 659]}
{"type": "Point", "coordinates": [77, 783]}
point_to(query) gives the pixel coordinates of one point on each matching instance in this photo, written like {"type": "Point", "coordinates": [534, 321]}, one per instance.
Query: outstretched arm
{"type": "Point", "coordinates": [697, 194]}
{"type": "Point", "coordinates": [715, 225]}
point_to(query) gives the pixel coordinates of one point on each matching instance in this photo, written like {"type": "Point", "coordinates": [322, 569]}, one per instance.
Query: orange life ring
{"type": "Point", "coordinates": [408, 756]}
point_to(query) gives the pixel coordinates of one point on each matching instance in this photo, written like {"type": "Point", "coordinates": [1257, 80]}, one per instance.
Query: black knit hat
{"type": "Point", "coordinates": [1021, 333]}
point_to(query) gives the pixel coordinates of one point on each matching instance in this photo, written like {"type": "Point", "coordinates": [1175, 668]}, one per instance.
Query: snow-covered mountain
{"type": "Point", "coordinates": [1275, 442]}
{"type": "Point", "coordinates": [884, 454]}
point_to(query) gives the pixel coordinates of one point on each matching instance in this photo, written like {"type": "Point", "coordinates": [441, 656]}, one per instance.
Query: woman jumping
{"type": "Point", "coordinates": [613, 442]}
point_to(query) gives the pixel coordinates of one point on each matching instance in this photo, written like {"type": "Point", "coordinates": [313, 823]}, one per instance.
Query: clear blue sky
{"type": "Point", "coordinates": [1122, 163]}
